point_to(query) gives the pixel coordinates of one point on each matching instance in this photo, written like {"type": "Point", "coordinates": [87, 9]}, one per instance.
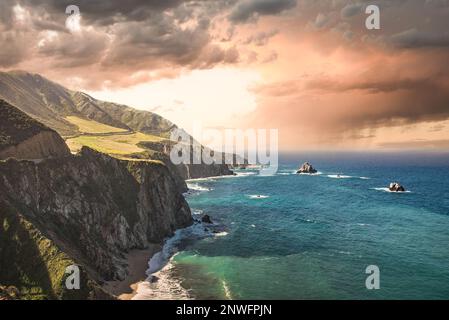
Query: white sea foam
{"type": "Point", "coordinates": [197, 187]}
{"type": "Point", "coordinates": [157, 262]}
{"type": "Point", "coordinates": [165, 288]}
{"type": "Point", "coordinates": [318, 173]}
{"type": "Point", "coordinates": [258, 196]}
{"type": "Point", "coordinates": [363, 224]}
{"type": "Point", "coordinates": [338, 176]}
{"type": "Point", "coordinates": [161, 267]}
{"type": "Point", "coordinates": [253, 225]}
{"type": "Point", "coordinates": [221, 234]}
{"type": "Point", "coordinates": [226, 289]}
{"type": "Point", "coordinates": [286, 173]}
{"type": "Point", "coordinates": [342, 176]}
{"type": "Point", "coordinates": [236, 174]}
{"type": "Point", "coordinates": [388, 190]}
{"type": "Point", "coordinates": [245, 174]}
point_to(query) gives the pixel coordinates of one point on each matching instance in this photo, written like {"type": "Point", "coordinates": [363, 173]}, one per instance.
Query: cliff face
{"type": "Point", "coordinates": [95, 208]}
{"type": "Point", "coordinates": [32, 266]}
{"type": "Point", "coordinates": [161, 151]}
{"type": "Point", "coordinates": [46, 144]}
{"type": "Point", "coordinates": [196, 171]}
{"type": "Point", "coordinates": [22, 137]}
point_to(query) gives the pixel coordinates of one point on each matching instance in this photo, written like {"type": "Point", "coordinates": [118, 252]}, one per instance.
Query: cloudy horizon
{"type": "Point", "coordinates": [308, 68]}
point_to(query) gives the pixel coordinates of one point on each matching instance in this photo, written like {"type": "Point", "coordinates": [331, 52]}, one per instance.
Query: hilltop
{"type": "Point", "coordinates": [51, 104]}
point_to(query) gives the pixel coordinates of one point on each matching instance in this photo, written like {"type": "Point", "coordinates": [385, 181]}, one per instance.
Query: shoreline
{"type": "Point", "coordinates": [140, 262]}
{"type": "Point", "coordinates": [137, 261]}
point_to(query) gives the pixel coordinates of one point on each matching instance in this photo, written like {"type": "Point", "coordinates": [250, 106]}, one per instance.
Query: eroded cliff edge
{"type": "Point", "coordinates": [92, 207]}
{"type": "Point", "coordinates": [22, 137]}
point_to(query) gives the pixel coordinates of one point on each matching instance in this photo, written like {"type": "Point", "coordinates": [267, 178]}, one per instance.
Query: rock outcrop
{"type": "Point", "coordinates": [22, 137]}
{"type": "Point", "coordinates": [396, 187]}
{"type": "Point", "coordinates": [94, 208]}
{"type": "Point", "coordinates": [46, 144]}
{"type": "Point", "coordinates": [306, 168]}
{"type": "Point", "coordinates": [206, 219]}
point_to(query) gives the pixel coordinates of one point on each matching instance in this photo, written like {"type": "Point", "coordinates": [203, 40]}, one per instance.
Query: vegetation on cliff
{"type": "Point", "coordinates": [90, 209]}
{"type": "Point", "coordinates": [32, 266]}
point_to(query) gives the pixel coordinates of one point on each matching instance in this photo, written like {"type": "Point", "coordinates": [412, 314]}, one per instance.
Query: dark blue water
{"type": "Point", "coordinates": [312, 237]}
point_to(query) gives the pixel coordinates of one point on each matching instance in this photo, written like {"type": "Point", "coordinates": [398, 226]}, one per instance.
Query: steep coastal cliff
{"type": "Point", "coordinates": [94, 208]}
{"type": "Point", "coordinates": [88, 209]}
{"type": "Point", "coordinates": [32, 266]}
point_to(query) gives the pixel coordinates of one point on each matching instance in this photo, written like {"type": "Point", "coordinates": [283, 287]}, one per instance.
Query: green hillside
{"type": "Point", "coordinates": [33, 267]}
{"type": "Point", "coordinates": [51, 104]}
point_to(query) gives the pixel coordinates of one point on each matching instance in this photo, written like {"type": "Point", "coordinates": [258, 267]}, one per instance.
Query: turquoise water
{"type": "Point", "coordinates": [312, 237]}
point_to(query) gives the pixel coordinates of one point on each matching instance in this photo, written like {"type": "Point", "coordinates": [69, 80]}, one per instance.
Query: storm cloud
{"type": "Point", "coordinates": [246, 10]}
{"type": "Point", "coordinates": [321, 70]}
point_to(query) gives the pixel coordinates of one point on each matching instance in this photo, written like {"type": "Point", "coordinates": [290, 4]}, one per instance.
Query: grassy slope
{"type": "Point", "coordinates": [118, 144]}
{"type": "Point", "coordinates": [34, 264]}
{"type": "Point", "coordinates": [50, 103]}
{"type": "Point", "coordinates": [90, 126]}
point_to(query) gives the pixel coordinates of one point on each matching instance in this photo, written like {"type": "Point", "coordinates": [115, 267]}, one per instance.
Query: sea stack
{"type": "Point", "coordinates": [396, 187]}
{"type": "Point", "coordinates": [307, 168]}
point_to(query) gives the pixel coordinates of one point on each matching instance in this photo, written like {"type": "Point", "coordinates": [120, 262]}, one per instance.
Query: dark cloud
{"type": "Point", "coordinates": [247, 10]}
{"type": "Point", "coordinates": [417, 145]}
{"type": "Point", "coordinates": [82, 48]}
{"type": "Point", "coordinates": [6, 13]}
{"type": "Point", "coordinates": [157, 38]}
{"type": "Point", "coordinates": [351, 10]}
{"type": "Point", "coordinates": [413, 38]}
{"type": "Point", "coordinates": [371, 86]}
{"type": "Point", "coordinates": [159, 42]}
{"type": "Point", "coordinates": [128, 37]}
{"type": "Point", "coordinates": [388, 94]}
{"type": "Point", "coordinates": [115, 36]}
{"type": "Point", "coordinates": [107, 11]}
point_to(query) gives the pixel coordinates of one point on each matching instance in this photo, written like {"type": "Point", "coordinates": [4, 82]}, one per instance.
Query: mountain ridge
{"type": "Point", "coordinates": [50, 102]}
{"type": "Point", "coordinates": [53, 105]}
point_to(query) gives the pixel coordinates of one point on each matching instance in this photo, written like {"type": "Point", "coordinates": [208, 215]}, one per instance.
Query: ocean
{"type": "Point", "coordinates": [290, 236]}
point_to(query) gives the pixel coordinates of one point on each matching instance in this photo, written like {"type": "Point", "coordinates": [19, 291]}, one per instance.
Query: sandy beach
{"type": "Point", "coordinates": [137, 266]}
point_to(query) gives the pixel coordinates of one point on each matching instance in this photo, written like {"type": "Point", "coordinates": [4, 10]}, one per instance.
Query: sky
{"type": "Point", "coordinates": [309, 68]}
